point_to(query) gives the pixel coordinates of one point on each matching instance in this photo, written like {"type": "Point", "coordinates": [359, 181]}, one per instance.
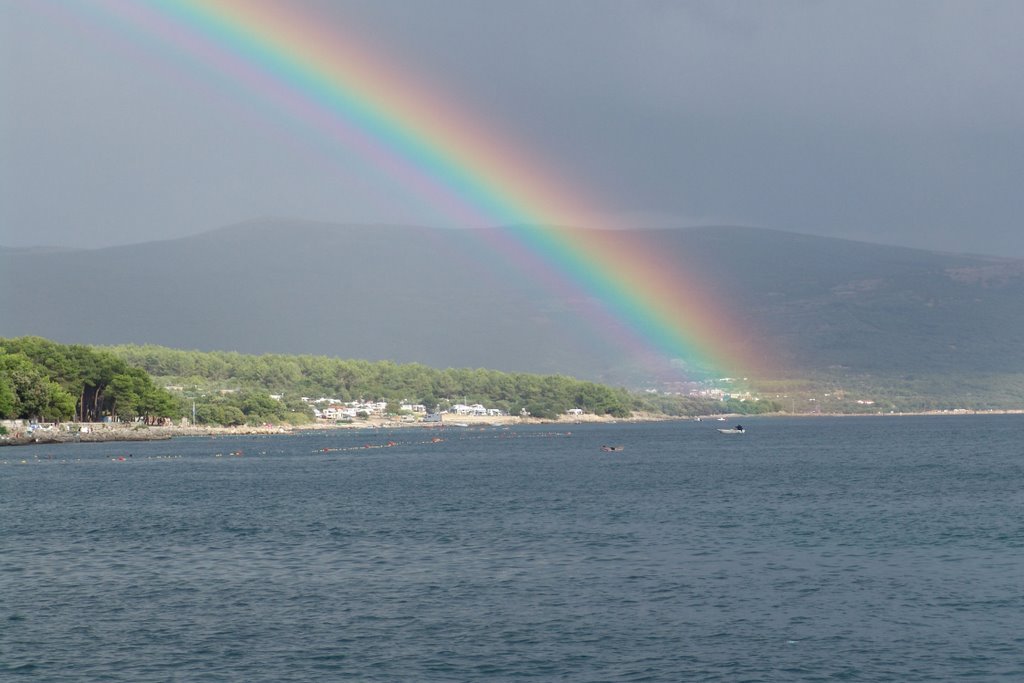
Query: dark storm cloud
{"type": "Point", "coordinates": [895, 122]}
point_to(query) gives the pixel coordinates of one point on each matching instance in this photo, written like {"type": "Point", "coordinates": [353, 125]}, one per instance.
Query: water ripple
{"type": "Point", "coordinates": [853, 550]}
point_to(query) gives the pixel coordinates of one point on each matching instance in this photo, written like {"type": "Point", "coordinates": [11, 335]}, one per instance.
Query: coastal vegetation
{"type": "Point", "coordinates": [851, 393]}
{"type": "Point", "coordinates": [229, 387]}
{"type": "Point", "coordinates": [42, 380]}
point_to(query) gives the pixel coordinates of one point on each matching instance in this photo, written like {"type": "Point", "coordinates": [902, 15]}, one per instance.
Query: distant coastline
{"type": "Point", "coordinates": [120, 432]}
{"type": "Point", "coordinates": [76, 432]}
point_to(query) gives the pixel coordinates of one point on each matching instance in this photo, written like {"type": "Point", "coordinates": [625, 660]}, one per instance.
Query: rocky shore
{"type": "Point", "coordinates": [103, 432]}
{"type": "Point", "coordinates": [20, 434]}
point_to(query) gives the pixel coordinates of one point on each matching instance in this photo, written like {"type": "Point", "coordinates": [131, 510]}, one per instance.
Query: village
{"type": "Point", "coordinates": [336, 409]}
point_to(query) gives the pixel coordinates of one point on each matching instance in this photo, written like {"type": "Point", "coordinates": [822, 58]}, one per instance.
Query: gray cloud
{"type": "Point", "coordinates": [893, 122]}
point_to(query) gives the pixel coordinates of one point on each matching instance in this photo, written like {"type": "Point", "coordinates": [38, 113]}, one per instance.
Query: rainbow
{"type": "Point", "coordinates": [315, 73]}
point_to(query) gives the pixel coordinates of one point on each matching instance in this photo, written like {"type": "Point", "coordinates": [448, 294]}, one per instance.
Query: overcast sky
{"type": "Point", "coordinates": [893, 122]}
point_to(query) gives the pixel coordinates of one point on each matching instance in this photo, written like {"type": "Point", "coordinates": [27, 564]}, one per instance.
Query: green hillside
{"type": "Point", "coordinates": [918, 326]}
{"type": "Point", "coordinates": [229, 380]}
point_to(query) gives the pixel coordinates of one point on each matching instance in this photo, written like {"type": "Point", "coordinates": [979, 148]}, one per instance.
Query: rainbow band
{"type": "Point", "coordinates": [330, 82]}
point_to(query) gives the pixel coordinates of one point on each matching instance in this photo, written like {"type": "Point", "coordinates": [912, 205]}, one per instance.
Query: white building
{"type": "Point", "coordinates": [475, 409]}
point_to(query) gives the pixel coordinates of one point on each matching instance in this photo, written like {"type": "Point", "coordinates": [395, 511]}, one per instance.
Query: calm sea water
{"type": "Point", "coordinates": [862, 549]}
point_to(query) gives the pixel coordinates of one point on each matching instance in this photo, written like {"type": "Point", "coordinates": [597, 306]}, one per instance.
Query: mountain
{"type": "Point", "coordinates": [444, 299]}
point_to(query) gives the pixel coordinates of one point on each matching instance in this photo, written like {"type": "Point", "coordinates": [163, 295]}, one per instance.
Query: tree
{"type": "Point", "coordinates": [36, 396]}
{"type": "Point", "coordinates": [543, 411]}
{"type": "Point", "coordinates": [54, 404]}
{"type": "Point", "coordinates": [126, 392]}
{"type": "Point", "coordinates": [394, 406]}
{"type": "Point", "coordinates": [428, 401]}
{"type": "Point", "coordinates": [33, 364]}
{"type": "Point", "coordinates": [8, 399]}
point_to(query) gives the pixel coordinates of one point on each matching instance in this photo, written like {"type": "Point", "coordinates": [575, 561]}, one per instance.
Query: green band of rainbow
{"type": "Point", "coordinates": [346, 92]}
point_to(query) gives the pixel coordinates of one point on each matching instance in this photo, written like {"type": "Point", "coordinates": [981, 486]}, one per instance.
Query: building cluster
{"type": "Point", "coordinates": [475, 409]}
{"type": "Point", "coordinates": [720, 389]}
{"type": "Point", "coordinates": [336, 409]}
{"type": "Point", "coordinates": [722, 395]}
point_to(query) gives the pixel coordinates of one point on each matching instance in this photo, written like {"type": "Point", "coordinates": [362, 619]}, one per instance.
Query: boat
{"type": "Point", "coordinates": [738, 429]}
{"type": "Point", "coordinates": [610, 449]}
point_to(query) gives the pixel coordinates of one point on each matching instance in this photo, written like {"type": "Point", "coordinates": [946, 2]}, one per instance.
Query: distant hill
{"type": "Point", "coordinates": [438, 297]}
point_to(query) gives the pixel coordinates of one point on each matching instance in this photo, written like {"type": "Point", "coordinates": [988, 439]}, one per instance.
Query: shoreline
{"type": "Point", "coordinates": [72, 432]}
{"type": "Point", "coordinates": [107, 432]}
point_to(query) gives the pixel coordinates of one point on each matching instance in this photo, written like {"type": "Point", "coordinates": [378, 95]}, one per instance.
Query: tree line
{"type": "Point", "coordinates": [251, 378]}
{"type": "Point", "coordinates": [292, 376]}
{"type": "Point", "coordinates": [45, 381]}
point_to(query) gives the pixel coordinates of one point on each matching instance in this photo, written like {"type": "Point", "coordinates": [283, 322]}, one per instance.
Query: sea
{"type": "Point", "coordinates": [805, 549]}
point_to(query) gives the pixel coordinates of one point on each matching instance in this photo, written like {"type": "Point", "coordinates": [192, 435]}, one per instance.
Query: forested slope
{"type": "Point", "coordinates": [806, 305]}
{"type": "Point", "coordinates": [203, 373]}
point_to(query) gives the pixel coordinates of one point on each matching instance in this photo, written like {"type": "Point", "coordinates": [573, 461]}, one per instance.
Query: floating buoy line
{"type": "Point", "coordinates": [437, 439]}
{"type": "Point", "coordinates": [505, 434]}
